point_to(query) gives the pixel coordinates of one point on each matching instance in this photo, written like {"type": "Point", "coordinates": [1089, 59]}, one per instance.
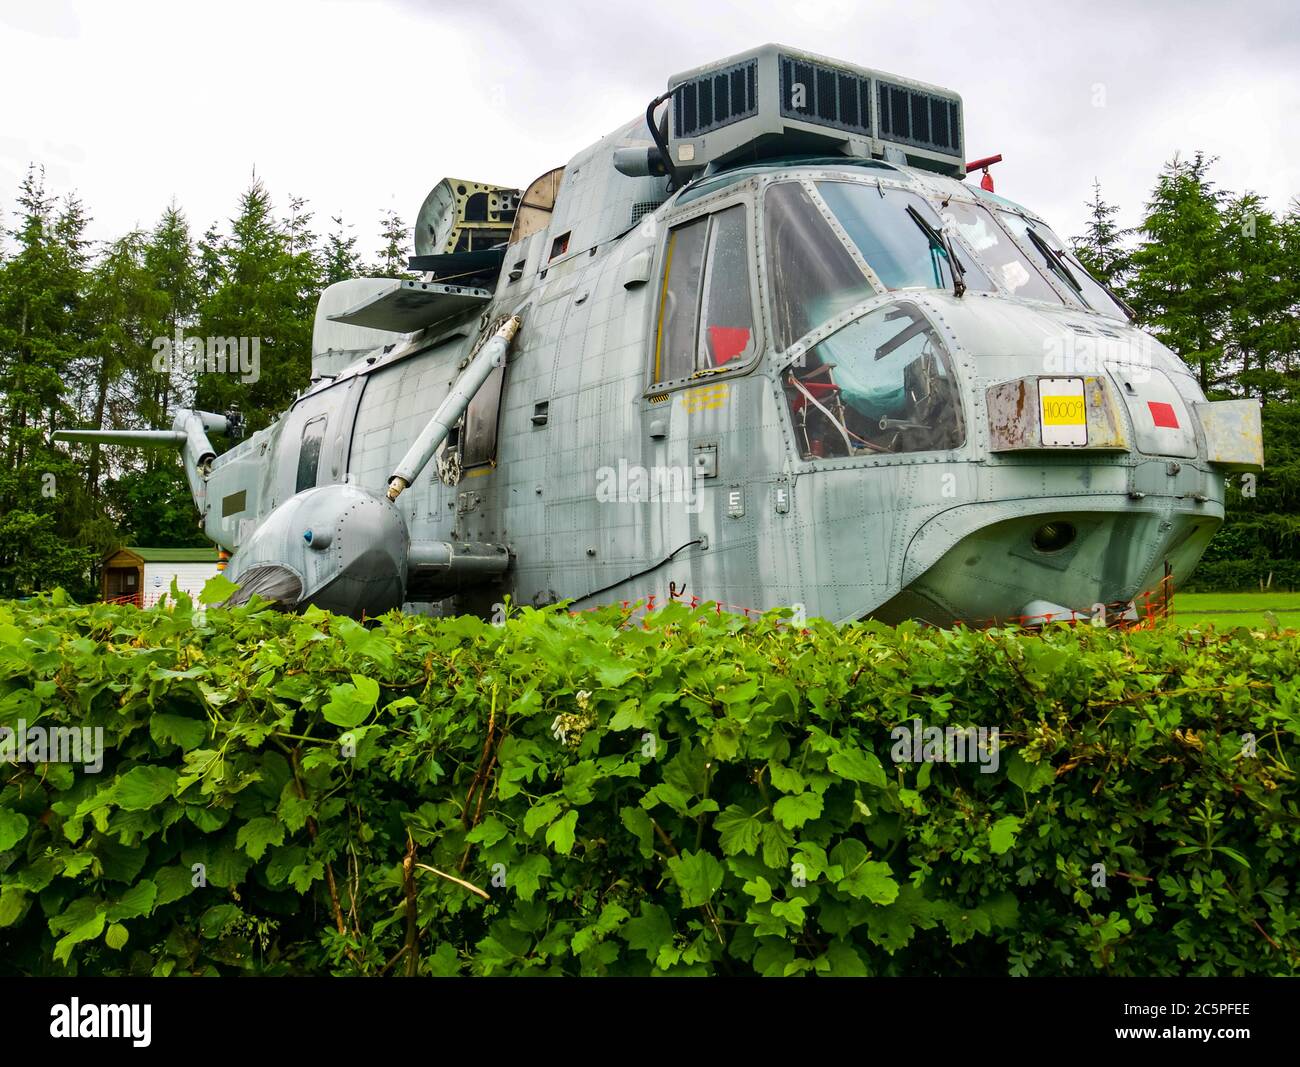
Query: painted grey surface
{"type": "Point", "coordinates": [337, 544]}
{"type": "Point", "coordinates": [941, 535]}
{"type": "Point", "coordinates": [769, 119]}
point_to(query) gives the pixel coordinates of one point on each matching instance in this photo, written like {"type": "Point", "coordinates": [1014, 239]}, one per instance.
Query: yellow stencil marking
{"type": "Point", "coordinates": [706, 398]}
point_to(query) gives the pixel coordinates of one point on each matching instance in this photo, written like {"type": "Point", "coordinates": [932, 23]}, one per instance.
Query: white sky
{"type": "Point", "coordinates": [361, 106]}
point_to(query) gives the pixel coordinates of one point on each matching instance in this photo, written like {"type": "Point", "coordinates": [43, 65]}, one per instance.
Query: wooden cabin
{"type": "Point", "coordinates": [142, 575]}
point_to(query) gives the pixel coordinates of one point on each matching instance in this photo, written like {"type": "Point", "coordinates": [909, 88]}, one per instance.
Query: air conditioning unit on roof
{"type": "Point", "coordinates": [776, 101]}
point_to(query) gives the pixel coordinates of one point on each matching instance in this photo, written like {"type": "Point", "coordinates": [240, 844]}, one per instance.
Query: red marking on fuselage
{"type": "Point", "coordinates": [1162, 414]}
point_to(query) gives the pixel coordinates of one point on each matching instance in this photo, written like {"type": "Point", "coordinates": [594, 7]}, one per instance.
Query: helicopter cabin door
{"type": "Point", "coordinates": [704, 337]}
{"type": "Point", "coordinates": [474, 438]}
{"type": "Point", "coordinates": [314, 443]}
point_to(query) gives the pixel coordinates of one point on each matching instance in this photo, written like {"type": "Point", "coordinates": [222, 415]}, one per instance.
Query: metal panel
{"type": "Point", "coordinates": [1233, 433]}
{"type": "Point", "coordinates": [1162, 425]}
{"type": "Point", "coordinates": [407, 306]}
{"type": "Point", "coordinates": [1015, 415]}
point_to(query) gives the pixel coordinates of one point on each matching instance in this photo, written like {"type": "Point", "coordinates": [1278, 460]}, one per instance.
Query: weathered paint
{"type": "Point", "coordinates": [944, 535]}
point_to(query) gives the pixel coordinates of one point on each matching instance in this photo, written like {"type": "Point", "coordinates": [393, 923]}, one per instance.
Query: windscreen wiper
{"type": "Point", "coordinates": [1120, 302]}
{"type": "Point", "coordinates": [940, 241]}
{"type": "Point", "coordinates": [1057, 261]}
{"type": "Point", "coordinates": [1124, 305]}
{"type": "Point", "coordinates": [1053, 260]}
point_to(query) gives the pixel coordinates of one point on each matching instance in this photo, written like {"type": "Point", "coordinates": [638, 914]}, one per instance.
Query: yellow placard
{"type": "Point", "coordinates": [1064, 411]}
{"type": "Point", "coordinates": [705, 398]}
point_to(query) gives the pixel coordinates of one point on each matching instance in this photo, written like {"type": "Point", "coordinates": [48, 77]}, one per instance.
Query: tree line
{"type": "Point", "coordinates": [1210, 272]}
{"type": "Point", "coordinates": [80, 331]}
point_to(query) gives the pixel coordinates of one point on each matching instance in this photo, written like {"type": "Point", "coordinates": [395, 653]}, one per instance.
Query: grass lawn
{"type": "Point", "coordinates": [1228, 610]}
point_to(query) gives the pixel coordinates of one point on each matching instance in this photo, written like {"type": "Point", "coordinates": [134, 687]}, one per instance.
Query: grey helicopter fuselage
{"type": "Point", "coordinates": [764, 388]}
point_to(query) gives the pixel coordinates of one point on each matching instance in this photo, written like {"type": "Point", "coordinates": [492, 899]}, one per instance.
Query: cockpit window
{"type": "Point", "coordinates": [812, 276]}
{"type": "Point", "coordinates": [1063, 263]}
{"type": "Point", "coordinates": [1016, 273]}
{"type": "Point", "coordinates": [726, 335]}
{"type": "Point", "coordinates": [889, 226]}
{"type": "Point", "coordinates": [313, 436]}
{"type": "Point", "coordinates": [679, 302]}
{"type": "Point", "coordinates": [706, 318]}
{"type": "Point", "coordinates": [883, 384]}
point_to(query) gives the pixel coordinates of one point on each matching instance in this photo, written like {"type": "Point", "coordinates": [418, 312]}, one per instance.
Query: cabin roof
{"type": "Point", "coordinates": [166, 555]}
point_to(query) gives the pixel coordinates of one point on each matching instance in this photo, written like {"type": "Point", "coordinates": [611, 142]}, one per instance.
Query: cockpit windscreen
{"type": "Point", "coordinates": [882, 384]}
{"type": "Point", "coordinates": [813, 277]}
{"type": "Point", "coordinates": [1018, 275]}
{"type": "Point", "coordinates": [899, 236]}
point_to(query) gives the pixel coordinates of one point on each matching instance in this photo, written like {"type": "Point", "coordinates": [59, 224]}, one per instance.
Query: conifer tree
{"type": "Point", "coordinates": [1102, 248]}
{"type": "Point", "coordinates": [339, 257]}
{"type": "Point", "coordinates": [124, 307]}
{"type": "Point", "coordinates": [49, 529]}
{"type": "Point", "coordinates": [169, 257]}
{"type": "Point", "coordinates": [261, 281]}
{"type": "Point", "coordinates": [1258, 295]}
{"type": "Point", "coordinates": [396, 248]}
{"type": "Point", "coordinates": [1180, 270]}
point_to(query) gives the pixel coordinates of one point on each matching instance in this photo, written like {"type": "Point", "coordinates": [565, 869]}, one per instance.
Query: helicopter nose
{"type": "Point", "coordinates": [1048, 563]}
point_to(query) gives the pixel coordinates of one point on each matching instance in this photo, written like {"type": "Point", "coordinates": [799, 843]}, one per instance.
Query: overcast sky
{"type": "Point", "coordinates": [361, 106]}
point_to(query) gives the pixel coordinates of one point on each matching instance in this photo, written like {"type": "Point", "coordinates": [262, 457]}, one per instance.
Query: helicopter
{"type": "Point", "coordinates": [762, 345]}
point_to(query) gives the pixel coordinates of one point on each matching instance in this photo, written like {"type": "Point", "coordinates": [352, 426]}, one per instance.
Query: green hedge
{"type": "Point", "coordinates": [688, 793]}
{"type": "Point", "coordinates": [1244, 575]}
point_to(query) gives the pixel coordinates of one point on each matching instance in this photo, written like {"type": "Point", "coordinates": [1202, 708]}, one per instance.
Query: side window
{"type": "Point", "coordinates": [706, 318]}
{"type": "Point", "coordinates": [313, 435]}
{"type": "Point", "coordinates": [881, 384]}
{"type": "Point", "coordinates": [727, 311]}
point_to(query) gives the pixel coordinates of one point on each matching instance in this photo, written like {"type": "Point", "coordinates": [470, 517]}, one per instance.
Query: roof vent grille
{"type": "Point", "coordinates": [830, 97]}
{"type": "Point", "coordinates": [918, 118]}
{"type": "Point", "coordinates": [716, 99]}
{"type": "Point", "coordinates": [644, 208]}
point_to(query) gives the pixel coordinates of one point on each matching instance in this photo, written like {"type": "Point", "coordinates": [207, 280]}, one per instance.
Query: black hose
{"type": "Point", "coordinates": [673, 177]}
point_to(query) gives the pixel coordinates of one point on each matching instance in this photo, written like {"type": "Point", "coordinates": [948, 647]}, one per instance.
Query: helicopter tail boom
{"type": "Point", "coordinates": [189, 430]}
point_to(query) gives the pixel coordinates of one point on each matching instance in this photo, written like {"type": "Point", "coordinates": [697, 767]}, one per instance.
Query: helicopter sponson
{"type": "Point", "coordinates": [763, 346]}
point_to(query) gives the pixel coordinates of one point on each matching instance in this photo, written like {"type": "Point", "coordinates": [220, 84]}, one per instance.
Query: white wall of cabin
{"type": "Point", "coordinates": [190, 578]}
